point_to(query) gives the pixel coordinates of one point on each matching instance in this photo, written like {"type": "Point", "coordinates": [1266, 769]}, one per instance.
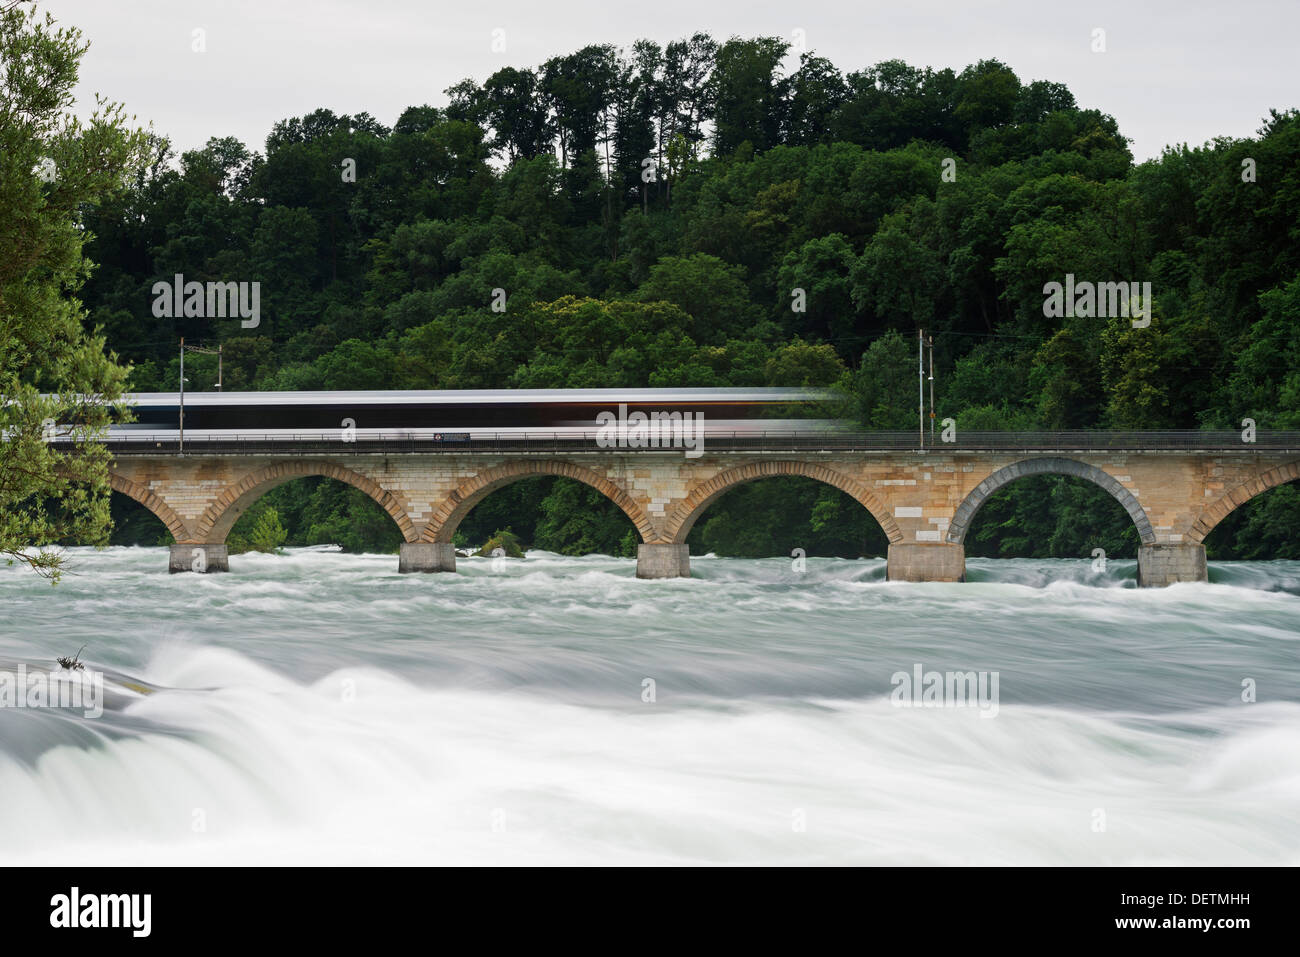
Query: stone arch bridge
{"type": "Point", "coordinates": [924, 500]}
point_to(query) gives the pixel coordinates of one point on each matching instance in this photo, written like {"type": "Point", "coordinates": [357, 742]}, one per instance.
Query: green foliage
{"type": "Point", "coordinates": [775, 516]}
{"type": "Point", "coordinates": [257, 530]}
{"type": "Point", "coordinates": [899, 275]}
{"type": "Point", "coordinates": [501, 544]}
{"type": "Point", "coordinates": [268, 534]}
{"type": "Point", "coordinates": [53, 370]}
{"type": "Point", "coordinates": [821, 269]}
{"type": "Point", "coordinates": [1065, 375]}
{"type": "Point", "coordinates": [576, 519]}
{"type": "Point", "coordinates": [747, 94]}
{"type": "Point", "coordinates": [133, 524]}
{"type": "Point", "coordinates": [884, 387]}
{"type": "Point", "coordinates": [1051, 516]}
{"type": "Point", "coordinates": [321, 511]}
{"type": "Point", "coordinates": [1264, 381]}
{"type": "Point", "coordinates": [801, 364]}
{"type": "Point", "coordinates": [553, 514]}
{"type": "Point", "coordinates": [708, 290]}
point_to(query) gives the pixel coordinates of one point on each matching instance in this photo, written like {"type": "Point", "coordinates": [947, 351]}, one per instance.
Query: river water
{"type": "Point", "coordinates": [320, 708]}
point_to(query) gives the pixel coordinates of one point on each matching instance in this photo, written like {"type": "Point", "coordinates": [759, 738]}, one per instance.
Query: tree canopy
{"type": "Point", "coordinates": [54, 368]}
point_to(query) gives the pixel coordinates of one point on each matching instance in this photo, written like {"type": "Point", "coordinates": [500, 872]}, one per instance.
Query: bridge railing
{"type": "Point", "coordinates": [830, 441]}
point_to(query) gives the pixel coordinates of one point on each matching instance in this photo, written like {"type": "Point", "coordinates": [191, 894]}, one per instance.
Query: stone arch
{"type": "Point", "coordinates": [452, 511]}
{"type": "Point", "coordinates": [1235, 497]}
{"type": "Point", "coordinates": [221, 515]}
{"type": "Point", "coordinates": [683, 516]}
{"type": "Point", "coordinates": [161, 510]}
{"type": "Point", "coordinates": [1048, 466]}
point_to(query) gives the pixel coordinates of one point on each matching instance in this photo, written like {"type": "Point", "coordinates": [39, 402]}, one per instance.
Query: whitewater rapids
{"type": "Point", "coordinates": [320, 708]}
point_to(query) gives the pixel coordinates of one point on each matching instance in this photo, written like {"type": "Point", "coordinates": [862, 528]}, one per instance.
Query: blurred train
{"type": "Point", "coordinates": [450, 416]}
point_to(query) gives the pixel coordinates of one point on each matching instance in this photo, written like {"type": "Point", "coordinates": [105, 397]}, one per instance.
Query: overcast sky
{"type": "Point", "coordinates": [1172, 71]}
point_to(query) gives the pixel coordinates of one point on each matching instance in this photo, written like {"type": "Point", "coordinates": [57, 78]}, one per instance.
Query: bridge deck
{"type": "Point", "coordinates": [1070, 442]}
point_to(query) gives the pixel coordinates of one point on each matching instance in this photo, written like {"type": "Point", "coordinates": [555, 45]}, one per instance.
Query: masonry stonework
{"type": "Point", "coordinates": [924, 501]}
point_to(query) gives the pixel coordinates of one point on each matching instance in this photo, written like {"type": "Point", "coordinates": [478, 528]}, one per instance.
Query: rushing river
{"type": "Point", "coordinates": [320, 708]}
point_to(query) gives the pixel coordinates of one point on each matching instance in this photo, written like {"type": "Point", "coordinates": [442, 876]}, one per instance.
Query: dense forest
{"type": "Point", "coordinates": [714, 213]}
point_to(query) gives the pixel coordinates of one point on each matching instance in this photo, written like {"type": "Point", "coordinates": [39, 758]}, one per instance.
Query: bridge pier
{"type": "Point", "coordinates": [426, 557]}
{"type": "Point", "coordinates": [663, 561]}
{"type": "Point", "coordinates": [204, 558]}
{"type": "Point", "coordinates": [1160, 565]}
{"type": "Point", "coordinates": [926, 562]}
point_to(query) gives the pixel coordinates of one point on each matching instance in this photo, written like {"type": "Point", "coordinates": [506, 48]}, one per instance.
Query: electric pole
{"type": "Point", "coordinates": [930, 342]}
{"type": "Point", "coordinates": [211, 352]}
{"type": "Point", "coordinates": [920, 383]}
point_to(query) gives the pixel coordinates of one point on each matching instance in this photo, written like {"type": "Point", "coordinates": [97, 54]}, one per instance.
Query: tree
{"type": "Point", "coordinates": [502, 544]}
{"type": "Point", "coordinates": [1264, 382]}
{"type": "Point", "coordinates": [899, 276]}
{"type": "Point", "coordinates": [354, 364]}
{"type": "Point", "coordinates": [749, 96]}
{"type": "Point", "coordinates": [579, 88]}
{"type": "Point", "coordinates": [264, 532]}
{"type": "Point", "coordinates": [636, 99]}
{"type": "Point", "coordinates": [987, 94]}
{"type": "Point", "coordinates": [820, 268]}
{"type": "Point", "coordinates": [1136, 371]}
{"type": "Point", "coordinates": [892, 103]}
{"type": "Point", "coordinates": [576, 519]}
{"type": "Point", "coordinates": [687, 94]}
{"type": "Point", "coordinates": [711, 291]}
{"type": "Point", "coordinates": [513, 108]}
{"type": "Point", "coordinates": [1068, 381]}
{"type": "Point", "coordinates": [801, 364]}
{"type": "Point", "coordinates": [284, 260]}
{"type": "Point", "coordinates": [883, 388]}
{"type": "Point", "coordinates": [816, 91]}
{"type": "Point", "coordinates": [52, 371]}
